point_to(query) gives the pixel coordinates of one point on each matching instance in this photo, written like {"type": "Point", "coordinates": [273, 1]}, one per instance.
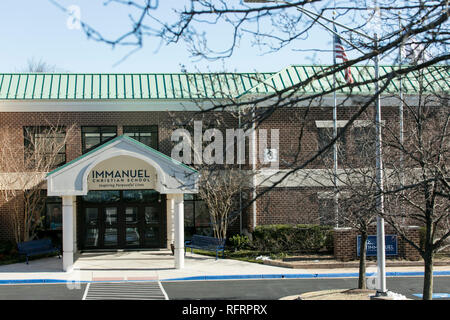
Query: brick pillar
{"type": "Point", "coordinates": [344, 243]}
{"type": "Point", "coordinates": [409, 252]}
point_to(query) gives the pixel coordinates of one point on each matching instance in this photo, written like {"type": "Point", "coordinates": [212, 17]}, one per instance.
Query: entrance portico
{"type": "Point", "coordinates": [123, 164]}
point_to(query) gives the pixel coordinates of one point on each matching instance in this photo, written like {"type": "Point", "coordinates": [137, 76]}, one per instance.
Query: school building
{"type": "Point", "coordinates": [117, 185]}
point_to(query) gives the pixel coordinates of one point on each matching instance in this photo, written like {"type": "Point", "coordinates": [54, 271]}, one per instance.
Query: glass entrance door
{"type": "Point", "coordinates": [132, 230]}
{"type": "Point", "coordinates": [111, 227]}
{"type": "Point", "coordinates": [126, 222]}
{"type": "Point", "coordinates": [152, 221]}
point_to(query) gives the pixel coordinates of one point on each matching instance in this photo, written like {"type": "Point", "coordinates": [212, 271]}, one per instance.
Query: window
{"type": "Point", "coordinates": [327, 208]}
{"type": "Point", "coordinates": [365, 142]}
{"type": "Point", "coordinates": [53, 213]}
{"type": "Point", "coordinates": [325, 135]}
{"type": "Point", "coordinates": [196, 217]}
{"type": "Point", "coordinates": [326, 211]}
{"type": "Point", "coordinates": [147, 135]}
{"type": "Point", "coordinates": [44, 146]}
{"type": "Point", "coordinates": [94, 196]}
{"type": "Point", "coordinates": [92, 137]}
{"type": "Point", "coordinates": [141, 196]}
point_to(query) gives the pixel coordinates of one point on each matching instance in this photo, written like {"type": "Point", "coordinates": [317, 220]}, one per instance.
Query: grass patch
{"type": "Point", "coordinates": [242, 255]}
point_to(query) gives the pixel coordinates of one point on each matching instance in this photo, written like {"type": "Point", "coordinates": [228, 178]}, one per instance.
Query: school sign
{"type": "Point", "coordinates": [390, 243]}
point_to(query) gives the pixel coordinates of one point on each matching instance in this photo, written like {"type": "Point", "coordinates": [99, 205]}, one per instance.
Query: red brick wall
{"type": "Point", "coordinates": [288, 206]}
{"type": "Point", "coordinates": [345, 242]}
{"type": "Point", "coordinates": [281, 205]}
{"type": "Point", "coordinates": [6, 218]}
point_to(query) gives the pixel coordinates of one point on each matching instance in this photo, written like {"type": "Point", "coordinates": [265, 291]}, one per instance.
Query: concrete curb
{"type": "Point", "coordinates": [228, 277]}
{"type": "Point", "coordinates": [299, 265]}
{"type": "Point", "coordinates": [301, 276]}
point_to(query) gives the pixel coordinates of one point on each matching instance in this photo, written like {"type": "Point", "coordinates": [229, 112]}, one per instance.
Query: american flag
{"type": "Point", "coordinates": [339, 52]}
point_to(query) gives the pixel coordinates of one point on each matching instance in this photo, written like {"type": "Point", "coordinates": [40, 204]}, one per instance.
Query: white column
{"type": "Point", "coordinates": [170, 216]}
{"type": "Point", "coordinates": [179, 231]}
{"type": "Point", "coordinates": [67, 215]}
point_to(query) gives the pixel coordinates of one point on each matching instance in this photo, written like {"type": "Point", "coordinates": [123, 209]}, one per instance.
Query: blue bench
{"type": "Point", "coordinates": [206, 243]}
{"type": "Point", "coordinates": [36, 247]}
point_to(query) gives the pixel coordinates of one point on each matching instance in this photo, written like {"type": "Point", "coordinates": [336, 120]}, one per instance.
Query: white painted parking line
{"type": "Point", "coordinates": [125, 291]}
{"type": "Point", "coordinates": [86, 291]}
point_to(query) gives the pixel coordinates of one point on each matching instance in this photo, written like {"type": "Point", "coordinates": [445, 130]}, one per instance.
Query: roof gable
{"type": "Point", "coordinates": [172, 176]}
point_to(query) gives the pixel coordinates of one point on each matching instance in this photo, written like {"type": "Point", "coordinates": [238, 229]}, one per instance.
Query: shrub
{"type": "Point", "coordinates": [239, 242]}
{"type": "Point", "coordinates": [293, 238]}
{"type": "Point", "coordinates": [6, 247]}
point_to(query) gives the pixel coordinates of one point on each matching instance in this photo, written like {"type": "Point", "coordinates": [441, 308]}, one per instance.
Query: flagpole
{"type": "Point", "coordinates": [335, 156]}
{"type": "Point", "coordinates": [381, 254]}
{"type": "Point", "coordinates": [400, 115]}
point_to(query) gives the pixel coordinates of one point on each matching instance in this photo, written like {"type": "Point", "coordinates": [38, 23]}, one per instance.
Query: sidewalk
{"type": "Point", "coordinates": [159, 265]}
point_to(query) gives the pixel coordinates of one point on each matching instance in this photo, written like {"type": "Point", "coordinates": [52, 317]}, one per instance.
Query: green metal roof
{"type": "Point", "coordinates": [185, 86]}
{"type": "Point", "coordinates": [433, 79]}
{"type": "Point", "coordinates": [50, 86]}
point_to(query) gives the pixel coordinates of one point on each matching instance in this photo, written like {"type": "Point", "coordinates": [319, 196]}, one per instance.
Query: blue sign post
{"type": "Point", "coordinates": [390, 244]}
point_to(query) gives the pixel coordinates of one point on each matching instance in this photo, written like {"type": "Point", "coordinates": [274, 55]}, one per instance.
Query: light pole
{"type": "Point", "coordinates": [381, 249]}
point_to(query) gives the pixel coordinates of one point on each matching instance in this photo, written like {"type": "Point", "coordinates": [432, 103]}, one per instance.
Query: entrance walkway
{"type": "Point", "coordinates": [158, 265]}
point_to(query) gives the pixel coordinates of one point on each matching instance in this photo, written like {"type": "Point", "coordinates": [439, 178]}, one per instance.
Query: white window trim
{"type": "Point", "coordinates": [342, 123]}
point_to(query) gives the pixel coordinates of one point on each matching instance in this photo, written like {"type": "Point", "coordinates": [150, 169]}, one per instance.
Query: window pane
{"type": "Point", "coordinates": [188, 196]}
{"type": "Point", "coordinates": [132, 236]}
{"type": "Point", "coordinates": [109, 129]}
{"type": "Point", "coordinates": [106, 136]}
{"type": "Point", "coordinates": [90, 129]}
{"type": "Point", "coordinates": [91, 216]}
{"type": "Point", "coordinates": [110, 237]}
{"type": "Point", "coordinates": [151, 215]}
{"type": "Point", "coordinates": [151, 236]}
{"type": "Point", "coordinates": [365, 142]}
{"type": "Point", "coordinates": [54, 216]}
{"type": "Point", "coordinates": [202, 217]}
{"type": "Point", "coordinates": [91, 141]}
{"type": "Point", "coordinates": [102, 196]}
{"type": "Point", "coordinates": [189, 214]}
{"type": "Point", "coordinates": [147, 135]}
{"type": "Point", "coordinates": [148, 141]}
{"type": "Point", "coordinates": [91, 237]}
{"type": "Point", "coordinates": [326, 211]}
{"type": "Point", "coordinates": [131, 215]}
{"type": "Point", "coordinates": [110, 215]}
{"type": "Point", "coordinates": [204, 231]}
{"type": "Point", "coordinates": [325, 136]}
{"type": "Point", "coordinates": [131, 135]}
{"type": "Point", "coordinates": [44, 145]}
{"type": "Point", "coordinates": [140, 196]}
{"type": "Point", "coordinates": [93, 136]}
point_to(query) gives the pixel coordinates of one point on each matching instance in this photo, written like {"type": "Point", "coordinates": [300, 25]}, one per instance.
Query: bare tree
{"type": "Point", "coordinates": [425, 193]}
{"type": "Point", "coordinates": [354, 187]}
{"type": "Point", "coordinates": [23, 166]}
{"type": "Point", "coordinates": [282, 25]}
{"type": "Point", "coordinates": [277, 25]}
{"type": "Point", "coordinates": [220, 189]}
{"type": "Point", "coordinates": [38, 66]}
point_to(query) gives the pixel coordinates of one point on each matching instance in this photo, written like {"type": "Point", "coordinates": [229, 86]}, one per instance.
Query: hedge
{"type": "Point", "coordinates": [293, 238]}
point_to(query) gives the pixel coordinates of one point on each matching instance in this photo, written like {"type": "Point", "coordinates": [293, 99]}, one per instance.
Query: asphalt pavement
{"type": "Point", "coordinates": [226, 290]}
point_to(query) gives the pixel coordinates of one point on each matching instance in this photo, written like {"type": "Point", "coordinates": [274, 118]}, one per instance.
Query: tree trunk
{"type": "Point", "coordinates": [428, 278]}
{"type": "Point", "coordinates": [362, 261]}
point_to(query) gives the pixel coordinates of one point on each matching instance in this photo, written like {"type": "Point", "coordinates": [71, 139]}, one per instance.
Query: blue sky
{"type": "Point", "coordinates": [37, 29]}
